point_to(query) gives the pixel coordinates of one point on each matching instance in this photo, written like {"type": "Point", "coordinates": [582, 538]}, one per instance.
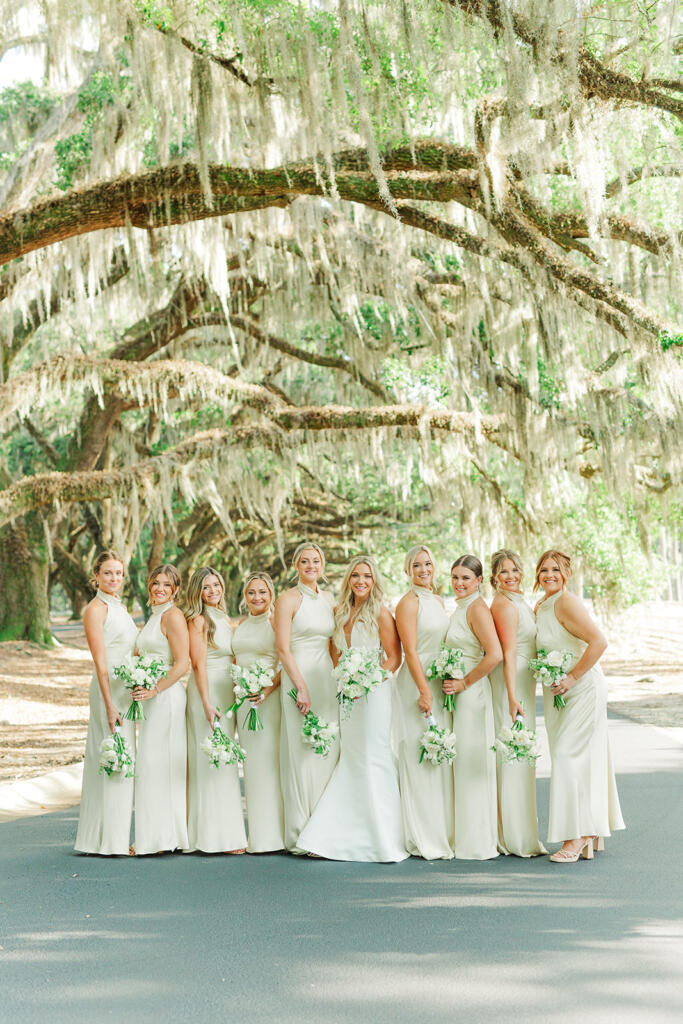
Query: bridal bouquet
{"type": "Point", "coordinates": [449, 664]}
{"type": "Point", "coordinates": [115, 755]}
{"type": "Point", "coordinates": [140, 670]}
{"type": "Point", "coordinates": [357, 674]}
{"type": "Point", "coordinates": [549, 667]}
{"type": "Point", "coordinates": [250, 681]}
{"type": "Point", "coordinates": [221, 749]}
{"type": "Point", "coordinates": [316, 732]}
{"type": "Point", "coordinates": [437, 745]}
{"type": "Point", "coordinates": [517, 743]}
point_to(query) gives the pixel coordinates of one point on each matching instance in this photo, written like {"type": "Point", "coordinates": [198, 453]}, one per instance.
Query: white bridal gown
{"type": "Point", "coordinates": [214, 802]}
{"type": "Point", "coordinates": [517, 819]}
{"type": "Point", "coordinates": [474, 768]}
{"type": "Point", "coordinates": [161, 767]}
{"type": "Point", "coordinates": [583, 790]}
{"type": "Point", "coordinates": [359, 814]}
{"type": "Point", "coordinates": [254, 640]}
{"type": "Point", "coordinates": [304, 773]}
{"type": "Point", "coordinates": [107, 802]}
{"type": "Point", "coordinates": [426, 789]}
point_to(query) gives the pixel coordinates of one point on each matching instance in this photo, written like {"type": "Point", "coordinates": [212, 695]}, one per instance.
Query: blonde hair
{"type": "Point", "coordinates": [564, 563]}
{"type": "Point", "coordinates": [196, 605]}
{"type": "Point", "coordinates": [497, 559]}
{"type": "Point", "coordinates": [173, 575]}
{"type": "Point", "coordinates": [412, 555]}
{"type": "Point", "coordinates": [108, 555]}
{"type": "Point", "coordinates": [368, 611]}
{"type": "Point", "coordinates": [304, 546]}
{"type": "Point", "coordinates": [250, 579]}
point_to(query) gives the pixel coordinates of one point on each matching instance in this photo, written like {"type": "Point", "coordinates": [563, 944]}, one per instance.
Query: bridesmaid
{"type": "Point", "coordinates": [160, 771]}
{"type": "Point", "coordinates": [214, 801]}
{"type": "Point", "coordinates": [304, 623]}
{"type": "Point", "coordinates": [584, 805]}
{"type": "Point", "coordinates": [474, 771]}
{"type": "Point", "coordinates": [426, 790]}
{"type": "Point", "coordinates": [254, 640]}
{"type": "Point", "coordinates": [514, 692]}
{"type": "Point", "coordinates": [358, 816]}
{"type": "Point", "coordinates": [107, 802]}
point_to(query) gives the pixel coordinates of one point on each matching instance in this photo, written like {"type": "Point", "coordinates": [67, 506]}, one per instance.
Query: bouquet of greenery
{"type": "Point", "coordinates": [550, 667]}
{"type": "Point", "coordinates": [249, 682]}
{"type": "Point", "coordinates": [357, 674]}
{"type": "Point", "coordinates": [140, 670]}
{"type": "Point", "coordinates": [517, 743]}
{"type": "Point", "coordinates": [449, 664]}
{"type": "Point", "coordinates": [437, 744]}
{"type": "Point", "coordinates": [221, 749]}
{"type": "Point", "coordinates": [115, 755]}
{"type": "Point", "coordinates": [316, 732]}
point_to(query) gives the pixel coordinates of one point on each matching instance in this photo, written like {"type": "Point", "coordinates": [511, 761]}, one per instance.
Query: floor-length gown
{"type": "Point", "coordinates": [583, 791]}
{"type": "Point", "coordinates": [517, 817]}
{"type": "Point", "coordinates": [107, 802]}
{"type": "Point", "coordinates": [358, 816]}
{"type": "Point", "coordinates": [304, 773]}
{"type": "Point", "coordinates": [474, 768]}
{"type": "Point", "coordinates": [161, 767]}
{"type": "Point", "coordinates": [426, 789]}
{"type": "Point", "coordinates": [215, 823]}
{"type": "Point", "coordinates": [254, 640]}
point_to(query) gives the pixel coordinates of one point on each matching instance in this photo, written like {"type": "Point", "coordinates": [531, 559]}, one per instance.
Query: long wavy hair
{"type": "Point", "coordinates": [368, 611]}
{"type": "Point", "coordinates": [268, 582]}
{"type": "Point", "coordinates": [196, 605]}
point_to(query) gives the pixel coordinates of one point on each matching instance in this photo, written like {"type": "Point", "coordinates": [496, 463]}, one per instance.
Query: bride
{"type": "Point", "coordinates": [358, 816]}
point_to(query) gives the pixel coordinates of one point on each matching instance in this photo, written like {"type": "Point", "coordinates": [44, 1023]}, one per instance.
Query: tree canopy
{"type": "Point", "coordinates": [362, 270]}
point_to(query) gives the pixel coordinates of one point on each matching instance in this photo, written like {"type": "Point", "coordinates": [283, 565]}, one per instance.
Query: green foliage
{"type": "Point", "coordinates": [24, 108]}
{"type": "Point", "coordinates": [668, 341]}
{"type": "Point", "coordinates": [73, 154]}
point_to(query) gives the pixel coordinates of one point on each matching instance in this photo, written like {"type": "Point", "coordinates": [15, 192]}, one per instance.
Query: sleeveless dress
{"type": "Point", "coordinates": [359, 814]}
{"type": "Point", "coordinates": [517, 818]}
{"type": "Point", "coordinates": [426, 789]}
{"type": "Point", "coordinates": [474, 769]}
{"type": "Point", "coordinates": [305, 774]}
{"type": "Point", "coordinates": [254, 640]}
{"type": "Point", "coordinates": [583, 790]}
{"type": "Point", "coordinates": [214, 802]}
{"type": "Point", "coordinates": [161, 767]}
{"type": "Point", "coordinates": [107, 802]}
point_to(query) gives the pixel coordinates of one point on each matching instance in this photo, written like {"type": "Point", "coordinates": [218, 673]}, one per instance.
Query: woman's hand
{"type": "Point", "coordinates": [141, 693]}
{"type": "Point", "coordinates": [266, 692]}
{"type": "Point", "coordinates": [515, 708]}
{"type": "Point", "coordinates": [425, 701]}
{"type": "Point", "coordinates": [113, 717]}
{"type": "Point", "coordinates": [564, 685]}
{"type": "Point", "coordinates": [303, 701]}
{"type": "Point", "coordinates": [211, 715]}
{"type": "Point", "coordinates": [453, 686]}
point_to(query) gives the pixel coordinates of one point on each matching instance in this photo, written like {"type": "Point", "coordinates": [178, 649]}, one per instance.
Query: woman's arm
{"type": "Point", "coordinates": [174, 628]}
{"type": "Point", "coordinates": [389, 639]}
{"type": "Point", "coordinates": [573, 615]}
{"type": "Point", "coordinates": [198, 652]}
{"type": "Point", "coordinates": [94, 617]}
{"type": "Point", "coordinates": [406, 624]}
{"type": "Point", "coordinates": [480, 621]}
{"type": "Point", "coordinates": [286, 608]}
{"type": "Point", "coordinates": [506, 620]}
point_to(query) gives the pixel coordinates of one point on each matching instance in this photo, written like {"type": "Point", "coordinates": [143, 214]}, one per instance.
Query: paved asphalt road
{"type": "Point", "coordinates": [276, 938]}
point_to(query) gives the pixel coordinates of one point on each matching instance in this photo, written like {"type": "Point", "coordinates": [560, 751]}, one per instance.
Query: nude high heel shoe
{"type": "Point", "coordinates": [598, 844]}
{"type": "Point", "coordinates": [569, 857]}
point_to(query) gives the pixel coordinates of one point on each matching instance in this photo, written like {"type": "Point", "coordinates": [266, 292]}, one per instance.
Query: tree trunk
{"type": "Point", "coordinates": [24, 572]}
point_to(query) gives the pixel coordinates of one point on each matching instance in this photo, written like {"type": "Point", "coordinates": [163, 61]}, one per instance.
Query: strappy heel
{"type": "Point", "coordinates": [571, 856]}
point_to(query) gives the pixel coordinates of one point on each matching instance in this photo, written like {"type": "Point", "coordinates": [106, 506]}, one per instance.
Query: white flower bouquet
{"type": "Point", "coordinates": [315, 731]}
{"type": "Point", "coordinates": [437, 745]}
{"type": "Point", "coordinates": [140, 670]}
{"type": "Point", "coordinates": [517, 743]}
{"type": "Point", "coordinates": [449, 664]}
{"type": "Point", "coordinates": [249, 682]}
{"type": "Point", "coordinates": [357, 674]}
{"type": "Point", "coordinates": [221, 749]}
{"type": "Point", "coordinates": [550, 667]}
{"type": "Point", "coordinates": [115, 755]}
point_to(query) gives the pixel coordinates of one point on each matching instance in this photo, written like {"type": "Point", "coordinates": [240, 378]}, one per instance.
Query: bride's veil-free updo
{"type": "Point", "coordinates": [412, 555]}
{"type": "Point", "coordinates": [368, 611]}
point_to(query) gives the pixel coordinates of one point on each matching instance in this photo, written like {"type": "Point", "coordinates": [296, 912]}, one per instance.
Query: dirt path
{"type": "Point", "coordinates": [44, 694]}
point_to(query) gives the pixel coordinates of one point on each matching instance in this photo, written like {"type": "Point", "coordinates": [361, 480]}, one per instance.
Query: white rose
{"type": "Point", "coordinates": [555, 659]}
{"type": "Point", "coordinates": [506, 734]}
